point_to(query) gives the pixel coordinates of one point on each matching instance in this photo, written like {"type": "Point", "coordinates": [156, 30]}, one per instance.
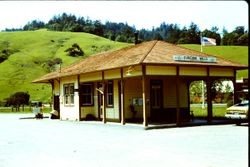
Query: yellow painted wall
{"type": "Point", "coordinates": [193, 71]}
{"type": "Point", "coordinates": [112, 74]}
{"type": "Point", "coordinates": [133, 89]}
{"type": "Point", "coordinates": [224, 72]}
{"type": "Point", "coordinates": [169, 92]}
{"type": "Point", "coordinates": [96, 76]}
{"type": "Point", "coordinates": [133, 71]}
{"type": "Point", "coordinates": [160, 70]}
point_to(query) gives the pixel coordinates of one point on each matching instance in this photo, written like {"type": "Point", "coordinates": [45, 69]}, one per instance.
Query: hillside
{"type": "Point", "coordinates": [233, 53]}
{"type": "Point", "coordinates": [30, 50]}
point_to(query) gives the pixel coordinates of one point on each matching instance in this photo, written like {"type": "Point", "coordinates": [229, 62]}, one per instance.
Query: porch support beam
{"type": "Point", "coordinates": [122, 99]}
{"type": "Point", "coordinates": [145, 119]}
{"type": "Point", "coordinates": [178, 115]}
{"type": "Point", "coordinates": [79, 98]}
{"type": "Point", "coordinates": [103, 99]}
{"type": "Point", "coordinates": [209, 98]}
{"type": "Point", "coordinates": [235, 100]}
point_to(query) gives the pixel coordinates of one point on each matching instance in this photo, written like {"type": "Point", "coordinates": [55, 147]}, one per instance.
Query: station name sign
{"type": "Point", "coordinates": [189, 58]}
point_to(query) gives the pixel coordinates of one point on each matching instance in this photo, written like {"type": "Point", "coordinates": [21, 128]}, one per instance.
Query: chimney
{"type": "Point", "coordinates": [136, 37]}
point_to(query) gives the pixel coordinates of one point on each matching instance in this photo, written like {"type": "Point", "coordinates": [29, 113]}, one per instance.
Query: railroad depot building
{"type": "Point", "coordinates": [147, 82]}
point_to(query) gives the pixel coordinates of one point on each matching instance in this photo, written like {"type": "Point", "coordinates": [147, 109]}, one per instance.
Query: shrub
{"type": "Point", "coordinates": [75, 51]}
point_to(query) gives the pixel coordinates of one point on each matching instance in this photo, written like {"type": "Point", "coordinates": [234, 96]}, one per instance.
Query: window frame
{"type": "Point", "coordinates": [68, 93]}
{"type": "Point", "coordinates": [91, 94]}
{"type": "Point", "coordinates": [110, 93]}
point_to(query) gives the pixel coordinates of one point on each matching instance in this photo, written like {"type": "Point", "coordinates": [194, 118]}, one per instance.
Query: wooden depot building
{"type": "Point", "coordinates": [148, 82]}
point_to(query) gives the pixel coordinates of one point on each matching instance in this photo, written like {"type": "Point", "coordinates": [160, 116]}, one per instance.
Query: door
{"type": "Point", "coordinates": [57, 104]}
{"type": "Point", "coordinates": [156, 99]}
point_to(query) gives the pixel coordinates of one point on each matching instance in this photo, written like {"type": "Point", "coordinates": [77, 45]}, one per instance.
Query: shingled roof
{"type": "Point", "coordinates": [153, 52]}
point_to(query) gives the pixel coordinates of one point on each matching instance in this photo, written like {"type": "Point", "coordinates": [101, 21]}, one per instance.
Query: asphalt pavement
{"type": "Point", "coordinates": [46, 143]}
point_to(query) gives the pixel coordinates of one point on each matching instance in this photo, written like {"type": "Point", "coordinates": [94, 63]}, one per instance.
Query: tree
{"type": "Point", "coordinates": [193, 34]}
{"type": "Point", "coordinates": [196, 91]}
{"type": "Point", "coordinates": [243, 40]}
{"type": "Point", "coordinates": [52, 64]}
{"type": "Point", "coordinates": [237, 37]}
{"type": "Point", "coordinates": [18, 99]}
{"type": "Point", "coordinates": [34, 25]}
{"type": "Point", "coordinates": [212, 34]}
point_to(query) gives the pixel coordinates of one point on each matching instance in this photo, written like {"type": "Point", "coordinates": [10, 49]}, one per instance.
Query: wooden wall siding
{"type": "Point", "coordinates": [132, 89]}
{"type": "Point", "coordinates": [183, 94]}
{"type": "Point", "coordinates": [89, 77]}
{"type": "Point", "coordinates": [169, 93]}
{"type": "Point", "coordinates": [112, 74]}
{"type": "Point", "coordinates": [69, 112]}
{"type": "Point", "coordinates": [89, 110]}
{"type": "Point", "coordinates": [134, 71]}
{"type": "Point", "coordinates": [222, 72]}
{"type": "Point", "coordinates": [193, 71]}
{"type": "Point", "coordinates": [69, 79]}
{"type": "Point", "coordinates": [160, 70]}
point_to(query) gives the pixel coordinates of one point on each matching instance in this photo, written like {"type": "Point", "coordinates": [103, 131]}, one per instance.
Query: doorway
{"type": "Point", "coordinates": [57, 104]}
{"type": "Point", "coordinates": [156, 99]}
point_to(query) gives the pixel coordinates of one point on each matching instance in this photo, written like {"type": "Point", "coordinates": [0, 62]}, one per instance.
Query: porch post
{"type": "Point", "coordinates": [209, 98]}
{"type": "Point", "coordinates": [145, 120]}
{"type": "Point", "coordinates": [79, 98]}
{"type": "Point", "coordinates": [235, 100]}
{"type": "Point", "coordinates": [103, 99]}
{"type": "Point", "coordinates": [122, 99]}
{"type": "Point", "coordinates": [178, 115]}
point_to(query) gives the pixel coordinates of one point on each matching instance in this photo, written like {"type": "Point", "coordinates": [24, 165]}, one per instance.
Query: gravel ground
{"type": "Point", "coordinates": [45, 143]}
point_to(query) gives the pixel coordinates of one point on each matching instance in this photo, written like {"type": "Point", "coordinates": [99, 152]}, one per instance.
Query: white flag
{"type": "Point", "coordinates": [207, 41]}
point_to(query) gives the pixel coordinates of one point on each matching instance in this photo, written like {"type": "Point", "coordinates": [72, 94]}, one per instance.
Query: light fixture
{"type": "Point", "coordinates": [129, 70]}
{"type": "Point", "coordinates": [100, 90]}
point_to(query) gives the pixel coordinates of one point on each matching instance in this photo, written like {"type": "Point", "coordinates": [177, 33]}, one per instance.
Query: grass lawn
{"type": "Point", "coordinates": [27, 110]}
{"type": "Point", "coordinates": [218, 111]}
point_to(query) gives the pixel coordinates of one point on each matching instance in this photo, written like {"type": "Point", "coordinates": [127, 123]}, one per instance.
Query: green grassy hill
{"type": "Point", "coordinates": [234, 53]}
{"type": "Point", "coordinates": [31, 49]}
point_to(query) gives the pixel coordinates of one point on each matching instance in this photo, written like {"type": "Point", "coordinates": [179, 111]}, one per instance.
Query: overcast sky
{"type": "Point", "coordinates": [141, 14]}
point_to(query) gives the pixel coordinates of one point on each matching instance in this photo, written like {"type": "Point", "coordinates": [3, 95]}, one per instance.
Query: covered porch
{"type": "Point", "coordinates": [148, 94]}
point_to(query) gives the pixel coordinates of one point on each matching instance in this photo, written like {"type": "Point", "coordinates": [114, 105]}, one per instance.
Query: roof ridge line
{"type": "Point", "coordinates": [144, 57]}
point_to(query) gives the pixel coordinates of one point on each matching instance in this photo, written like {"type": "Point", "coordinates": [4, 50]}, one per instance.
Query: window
{"type": "Point", "coordinates": [68, 93]}
{"type": "Point", "coordinates": [87, 94]}
{"type": "Point", "coordinates": [110, 94]}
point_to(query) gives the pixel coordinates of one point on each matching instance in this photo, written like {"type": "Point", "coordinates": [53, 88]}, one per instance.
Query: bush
{"type": "Point", "coordinates": [75, 51]}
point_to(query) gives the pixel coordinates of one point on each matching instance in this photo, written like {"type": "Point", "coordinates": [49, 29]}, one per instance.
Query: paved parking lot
{"type": "Point", "coordinates": [45, 143]}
